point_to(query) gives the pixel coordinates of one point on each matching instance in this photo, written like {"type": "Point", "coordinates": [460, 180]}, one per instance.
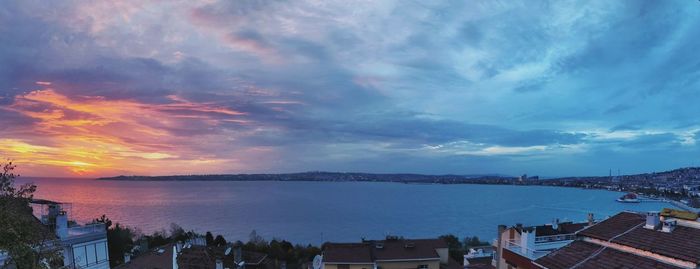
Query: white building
{"type": "Point", "coordinates": [84, 246]}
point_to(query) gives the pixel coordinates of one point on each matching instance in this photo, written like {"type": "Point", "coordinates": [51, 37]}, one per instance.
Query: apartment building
{"type": "Point", "coordinates": [83, 246]}
{"type": "Point", "coordinates": [519, 246]}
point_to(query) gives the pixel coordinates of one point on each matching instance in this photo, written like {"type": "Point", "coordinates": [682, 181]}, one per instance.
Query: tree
{"type": "Point", "coordinates": [177, 233]}
{"type": "Point", "coordinates": [455, 249]}
{"type": "Point", "coordinates": [120, 240]}
{"type": "Point", "coordinates": [28, 243]}
{"type": "Point", "coordinates": [219, 241]}
{"type": "Point", "coordinates": [474, 241]}
{"type": "Point", "coordinates": [209, 238]}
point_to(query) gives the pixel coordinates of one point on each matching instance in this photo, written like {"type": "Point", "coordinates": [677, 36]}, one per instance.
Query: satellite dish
{"type": "Point", "coordinates": [318, 262]}
{"type": "Point", "coordinates": [228, 251]}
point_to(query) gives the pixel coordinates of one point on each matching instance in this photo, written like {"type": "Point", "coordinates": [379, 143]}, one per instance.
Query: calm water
{"type": "Point", "coordinates": [314, 212]}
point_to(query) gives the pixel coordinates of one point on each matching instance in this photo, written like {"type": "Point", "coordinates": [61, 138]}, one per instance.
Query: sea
{"type": "Point", "coordinates": [317, 212]}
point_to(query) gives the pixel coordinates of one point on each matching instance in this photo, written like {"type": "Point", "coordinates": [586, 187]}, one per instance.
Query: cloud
{"type": "Point", "coordinates": [257, 86]}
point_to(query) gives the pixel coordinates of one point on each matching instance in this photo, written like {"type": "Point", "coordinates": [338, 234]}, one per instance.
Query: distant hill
{"type": "Point", "coordinates": [321, 176]}
{"type": "Point", "coordinates": [688, 174]}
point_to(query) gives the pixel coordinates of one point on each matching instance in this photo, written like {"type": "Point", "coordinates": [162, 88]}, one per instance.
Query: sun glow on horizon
{"type": "Point", "coordinates": [94, 136]}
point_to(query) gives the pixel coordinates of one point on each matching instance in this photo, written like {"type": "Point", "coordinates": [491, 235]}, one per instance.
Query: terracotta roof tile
{"type": "Point", "coordinates": [578, 251]}
{"type": "Point", "coordinates": [683, 243]}
{"type": "Point", "coordinates": [368, 252]}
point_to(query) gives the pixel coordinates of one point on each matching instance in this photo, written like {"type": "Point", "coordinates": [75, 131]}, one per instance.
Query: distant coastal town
{"type": "Point", "coordinates": [680, 186]}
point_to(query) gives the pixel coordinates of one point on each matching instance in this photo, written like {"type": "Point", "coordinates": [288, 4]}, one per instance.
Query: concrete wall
{"type": "Point", "coordinates": [444, 255]}
{"type": "Point", "coordinates": [352, 266]}
{"type": "Point", "coordinates": [508, 234]}
{"type": "Point", "coordinates": [409, 264]}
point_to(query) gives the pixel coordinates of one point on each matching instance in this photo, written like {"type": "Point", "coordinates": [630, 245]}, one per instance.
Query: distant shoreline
{"type": "Point", "coordinates": [667, 185]}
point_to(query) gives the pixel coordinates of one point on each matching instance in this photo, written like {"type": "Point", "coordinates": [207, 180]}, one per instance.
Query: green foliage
{"type": "Point", "coordinates": [28, 242]}
{"type": "Point", "coordinates": [294, 255]}
{"type": "Point", "coordinates": [455, 249]}
{"type": "Point", "coordinates": [219, 241]}
{"type": "Point", "coordinates": [120, 239]}
{"type": "Point", "coordinates": [473, 241]}
{"type": "Point", "coordinates": [209, 238]}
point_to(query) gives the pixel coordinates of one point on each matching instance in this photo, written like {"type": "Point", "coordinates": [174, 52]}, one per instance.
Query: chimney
{"type": "Point", "coordinates": [499, 245]}
{"type": "Point", "coordinates": [219, 263]}
{"type": "Point", "coordinates": [127, 257]}
{"type": "Point", "coordinates": [652, 221]}
{"type": "Point", "coordinates": [62, 225]}
{"type": "Point", "coordinates": [591, 220]}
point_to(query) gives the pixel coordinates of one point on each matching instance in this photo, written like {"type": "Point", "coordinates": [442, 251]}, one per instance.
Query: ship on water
{"type": "Point", "coordinates": [628, 198]}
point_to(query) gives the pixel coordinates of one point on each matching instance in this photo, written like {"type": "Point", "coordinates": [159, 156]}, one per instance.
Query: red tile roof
{"type": "Point", "coordinates": [151, 260]}
{"type": "Point", "coordinates": [586, 255]}
{"type": "Point", "coordinates": [347, 253]}
{"type": "Point", "coordinates": [419, 249]}
{"type": "Point", "coordinates": [382, 250]}
{"type": "Point", "coordinates": [683, 243]}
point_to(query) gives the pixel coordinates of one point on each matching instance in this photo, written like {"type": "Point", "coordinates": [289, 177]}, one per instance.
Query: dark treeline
{"type": "Point", "coordinates": [122, 239]}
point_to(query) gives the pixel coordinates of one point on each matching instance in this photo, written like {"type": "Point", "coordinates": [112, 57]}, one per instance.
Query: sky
{"type": "Point", "coordinates": [550, 88]}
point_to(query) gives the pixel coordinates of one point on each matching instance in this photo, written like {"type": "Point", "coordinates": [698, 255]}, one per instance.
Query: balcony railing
{"type": "Point", "coordinates": [86, 229]}
{"type": "Point", "coordinates": [554, 238]}
{"type": "Point", "coordinates": [531, 254]}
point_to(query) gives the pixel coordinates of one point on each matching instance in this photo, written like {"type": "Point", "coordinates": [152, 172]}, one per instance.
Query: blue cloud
{"type": "Point", "coordinates": [439, 87]}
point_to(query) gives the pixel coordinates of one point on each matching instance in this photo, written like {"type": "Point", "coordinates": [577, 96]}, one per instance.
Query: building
{"type": "Point", "coordinates": [392, 253]}
{"type": "Point", "coordinates": [633, 240]}
{"type": "Point", "coordinates": [479, 257]}
{"type": "Point", "coordinates": [83, 246]}
{"type": "Point", "coordinates": [518, 246]}
{"type": "Point", "coordinates": [156, 258]}
{"type": "Point", "coordinates": [203, 257]}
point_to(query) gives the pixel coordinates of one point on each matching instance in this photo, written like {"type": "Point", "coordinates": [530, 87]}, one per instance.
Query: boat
{"type": "Point", "coordinates": [628, 198]}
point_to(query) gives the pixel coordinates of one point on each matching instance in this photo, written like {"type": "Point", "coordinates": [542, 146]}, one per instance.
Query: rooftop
{"type": "Point", "coordinates": [627, 229]}
{"type": "Point", "coordinates": [205, 257]}
{"type": "Point", "coordinates": [591, 256]}
{"type": "Point", "coordinates": [383, 250]}
{"type": "Point", "coordinates": [152, 259]}
{"type": "Point", "coordinates": [622, 241]}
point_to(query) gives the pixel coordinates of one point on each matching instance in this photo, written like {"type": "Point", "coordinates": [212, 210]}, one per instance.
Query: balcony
{"type": "Point", "coordinates": [86, 233]}
{"type": "Point", "coordinates": [531, 254]}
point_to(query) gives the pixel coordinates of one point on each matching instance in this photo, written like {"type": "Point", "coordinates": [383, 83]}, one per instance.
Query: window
{"type": "Point", "coordinates": [423, 266]}
{"type": "Point", "coordinates": [80, 256]}
{"type": "Point", "coordinates": [343, 266]}
{"type": "Point", "coordinates": [91, 257]}
{"type": "Point", "coordinates": [101, 252]}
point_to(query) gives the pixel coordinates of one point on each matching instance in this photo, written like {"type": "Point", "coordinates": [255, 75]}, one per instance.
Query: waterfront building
{"type": "Point", "coordinates": [84, 246]}
{"type": "Point", "coordinates": [518, 246]}
{"type": "Point", "coordinates": [391, 253]}
{"type": "Point", "coordinates": [670, 240]}
{"type": "Point", "coordinates": [81, 246]}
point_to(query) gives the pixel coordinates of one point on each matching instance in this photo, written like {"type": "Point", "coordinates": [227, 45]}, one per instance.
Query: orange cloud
{"type": "Point", "coordinates": [92, 136]}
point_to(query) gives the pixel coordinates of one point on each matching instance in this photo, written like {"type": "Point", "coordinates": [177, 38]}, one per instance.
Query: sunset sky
{"type": "Point", "coordinates": [467, 87]}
